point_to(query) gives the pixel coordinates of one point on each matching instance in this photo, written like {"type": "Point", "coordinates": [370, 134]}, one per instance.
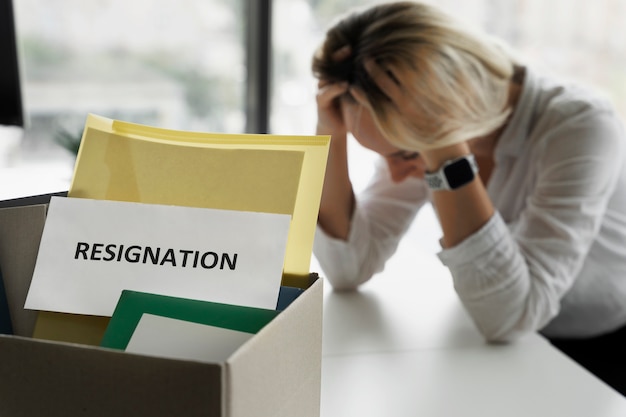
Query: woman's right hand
{"type": "Point", "coordinates": [329, 118]}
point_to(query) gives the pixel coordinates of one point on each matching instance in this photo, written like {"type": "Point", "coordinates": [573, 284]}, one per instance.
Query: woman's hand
{"type": "Point", "coordinates": [329, 117]}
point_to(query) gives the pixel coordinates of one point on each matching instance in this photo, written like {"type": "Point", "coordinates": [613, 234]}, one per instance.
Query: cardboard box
{"type": "Point", "coordinates": [276, 373]}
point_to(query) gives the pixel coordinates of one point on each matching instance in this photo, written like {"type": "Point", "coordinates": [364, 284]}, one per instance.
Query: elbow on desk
{"type": "Point", "coordinates": [502, 326]}
{"type": "Point", "coordinates": [500, 335]}
{"type": "Point", "coordinates": [501, 339]}
{"type": "Point", "coordinates": [343, 284]}
{"type": "Point", "coordinates": [346, 280]}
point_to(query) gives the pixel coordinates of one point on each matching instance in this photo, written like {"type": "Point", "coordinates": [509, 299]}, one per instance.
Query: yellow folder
{"type": "Point", "coordinates": [264, 173]}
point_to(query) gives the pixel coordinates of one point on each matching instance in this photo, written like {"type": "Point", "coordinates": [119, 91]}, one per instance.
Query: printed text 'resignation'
{"type": "Point", "coordinates": [183, 258]}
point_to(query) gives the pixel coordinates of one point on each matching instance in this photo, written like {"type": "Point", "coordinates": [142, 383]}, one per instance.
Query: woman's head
{"type": "Point", "coordinates": [456, 79]}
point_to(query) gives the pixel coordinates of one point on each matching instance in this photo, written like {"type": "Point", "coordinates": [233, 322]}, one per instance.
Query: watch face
{"type": "Point", "coordinates": [459, 173]}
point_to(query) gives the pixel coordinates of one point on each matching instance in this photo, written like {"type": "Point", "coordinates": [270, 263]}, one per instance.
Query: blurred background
{"type": "Point", "coordinates": [242, 65]}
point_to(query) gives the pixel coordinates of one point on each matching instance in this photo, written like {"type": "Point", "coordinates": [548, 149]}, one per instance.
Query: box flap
{"type": "Point", "coordinates": [278, 372]}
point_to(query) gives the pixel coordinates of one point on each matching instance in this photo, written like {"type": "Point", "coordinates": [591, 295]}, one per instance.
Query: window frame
{"type": "Point", "coordinates": [258, 65]}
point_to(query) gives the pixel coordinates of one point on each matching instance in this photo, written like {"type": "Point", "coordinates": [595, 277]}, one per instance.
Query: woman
{"type": "Point", "coordinates": [527, 176]}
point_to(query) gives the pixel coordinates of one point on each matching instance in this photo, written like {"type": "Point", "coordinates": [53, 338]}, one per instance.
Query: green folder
{"type": "Point", "coordinates": [133, 304]}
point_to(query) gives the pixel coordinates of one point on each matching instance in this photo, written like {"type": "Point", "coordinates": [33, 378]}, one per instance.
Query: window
{"type": "Point", "coordinates": [166, 63]}
{"type": "Point", "coordinates": [186, 65]}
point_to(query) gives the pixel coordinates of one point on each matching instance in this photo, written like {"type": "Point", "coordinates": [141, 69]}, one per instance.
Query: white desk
{"type": "Point", "coordinates": [34, 179]}
{"type": "Point", "coordinates": [403, 346]}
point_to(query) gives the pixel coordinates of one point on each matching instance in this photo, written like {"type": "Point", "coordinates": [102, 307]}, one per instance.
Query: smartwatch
{"type": "Point", "coordinates": [453, 174]}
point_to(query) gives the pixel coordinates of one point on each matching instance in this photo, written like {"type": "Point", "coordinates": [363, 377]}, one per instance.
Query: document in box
{"type": "Point", "coordinates": [179, 339]}
{"type": "Point", "coordinates": [91, 250]}
{"type": "Point", "coordinates": [133, 305]}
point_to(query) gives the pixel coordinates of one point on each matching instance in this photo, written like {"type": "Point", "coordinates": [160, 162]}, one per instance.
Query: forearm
{"type": "Point", "coordinates": [337, 201]}
{"type": "Point", "coordinates": [381, 216]}
{"type": "Point", "coordinates": [462, 211]}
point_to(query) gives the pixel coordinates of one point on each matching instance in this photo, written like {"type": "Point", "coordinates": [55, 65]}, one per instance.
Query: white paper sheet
{"type": "Point", "coordinates": [93, 249]}
{"type": "Point", "coordinates": [178, 339]}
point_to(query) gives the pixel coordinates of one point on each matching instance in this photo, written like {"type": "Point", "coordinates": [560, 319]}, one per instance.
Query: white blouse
{"type": "Point", "coordinates": [553, 256]}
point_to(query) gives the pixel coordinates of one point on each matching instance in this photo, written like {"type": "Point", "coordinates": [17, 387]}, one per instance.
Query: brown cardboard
{"type": "Point", "coordinates": [20, 233]}
{"type": "Point", "coordinates": [42, 378]}
{"type": "Point", "coordinates": [276, 373]}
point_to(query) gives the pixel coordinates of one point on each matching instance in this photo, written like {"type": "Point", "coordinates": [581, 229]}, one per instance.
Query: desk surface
{"type": "Point", "coordinates": [34, 179]}
{"type": "Point", "coordinates": [403, 346]}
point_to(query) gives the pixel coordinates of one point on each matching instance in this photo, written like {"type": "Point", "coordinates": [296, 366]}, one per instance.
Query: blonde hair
{"type": "Point", "coordinates": [456, 78]}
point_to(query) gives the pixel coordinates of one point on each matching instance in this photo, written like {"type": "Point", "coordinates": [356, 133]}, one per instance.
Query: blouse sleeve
{"type": "Point", "coordinates": [383, 214]}
{"type": "Point", "coordinates": [511, 277]}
